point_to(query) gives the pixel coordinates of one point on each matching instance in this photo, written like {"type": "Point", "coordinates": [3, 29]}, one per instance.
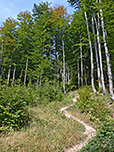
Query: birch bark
{"type": "Point", "coordinates": [100, 52]}
{"type": "Point", "coordinates": [96, 53]}
{"type": "Point", "coordinates": [91, 54]}
{"type": "Point", "coordinates": [9, 71]}
{"type": "Point", "coordinates": [37, 83]}
{"type": "Point", "coordinates": [14, 71]}
{"type": "Point", "coordinates": [107, 56]}
{"type": "Point", "coordinates": [26, 71]}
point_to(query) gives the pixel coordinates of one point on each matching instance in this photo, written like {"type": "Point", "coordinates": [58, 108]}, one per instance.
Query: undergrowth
{"type": "Point", "coordinates": [14, 103]}
{"type": "Point", "coordinates": [49, 130]}
{"type": "Point", "coordinates": [99, 112]}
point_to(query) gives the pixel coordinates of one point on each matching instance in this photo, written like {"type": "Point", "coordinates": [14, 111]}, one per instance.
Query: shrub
{"type": "Point", "coordinates": [103, 141]}
{"type": "Point", "coordinates": [49, 92]}
{"type": "Point", "coordinates": [99, 112]}
{"type": "Point", "coordinates": [97, 108]}
{"type": "Point", "coordinates": [13, 109]}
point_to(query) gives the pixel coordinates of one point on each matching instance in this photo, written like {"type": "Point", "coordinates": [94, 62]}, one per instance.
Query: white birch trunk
{"type": "Point", "coordinates": [91, 54]}
{"type": "Point", "coordinates": [107, 56]}
{"type": "Point", "coordinates": [9, 71]}
{"type": "Point", "coordinates": [63, 68]}
{"type": "Point", "coordinates": [100, 53]}
{"type": "Point", "coordinates": [37, 83]}
{"type": "Point", "coordinates": [81, 63]}
{"type": "Point", "coordinates": [25, 77]}
{"type": "Point", "coordinates": [96, 53]}
{"type": "Point", "coordinates": [78, 70]}
{"type": "Point", "coordinates": [14, 71]}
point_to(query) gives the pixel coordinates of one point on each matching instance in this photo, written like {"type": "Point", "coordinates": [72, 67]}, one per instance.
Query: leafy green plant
{"type": "Point", "coordinates": [103, 141]}
{"type": "Point", "coordinates": [99, 113]}
{"type": "Point", "coordinates": [13, 109]}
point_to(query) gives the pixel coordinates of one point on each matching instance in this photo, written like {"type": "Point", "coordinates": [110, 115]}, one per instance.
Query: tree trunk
{"type": "Point", "coordinates": [14, 71]}
{"type": "Point", "coordinates": [63, 67]}
{"type": "Point", "coordinates": [68, 76]}
{"type": "Point", "coordinates": [37, 83]}
{"type": "Point", "coordinates": [91, 54]}
{"type": "Point", "coordinates": [107, 57]}
{"type": "Point", "coordinates": [26, 71]}
{"type": "Point", "coordinates": [81, 63]}
{"type": "Point", "coordinates": [78, 70]}
{"type": "Point", "coordinates": [100, 53]}
{"type": "Point", "coordinates": [9, 71]}
{"type": "Point", "coordinates": [96, 53]}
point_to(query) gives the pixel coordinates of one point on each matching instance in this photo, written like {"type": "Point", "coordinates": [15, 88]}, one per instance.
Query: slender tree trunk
{"type": "Point", "coordinates": [85, 73]}
{"type": "Point", "coordinates": [9, 71]}
{"type": "Point", "coordinates": [96, 53]}
{"type": "Point", "coordinates": [91, 54]}
{"type": "Point", "coordinates": [81, 63]}
{"type": "Point", "coordinates": [78, 70]}
{"type": "Point", "coordinates": [68, 76]}
{"type": "Point", "coordinates": [37, 83]}
{"type": "Point", "coordinates": [14, 71]}
{"type": "Point", "coordinates": [85, 76]}
{"type": "Point", "coordinates": [100, 53]}
{"type": "Point", "coordinates": [63, 67]}
{"type": "Point", "coordinates": [26, 71]}
{"type": "Point", "coordinates": [107, 57]}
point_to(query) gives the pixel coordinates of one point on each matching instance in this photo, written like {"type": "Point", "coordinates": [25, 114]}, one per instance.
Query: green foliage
{"type": "Point", "coordinates": [104, 140]}
{"type": "Point", "coordinates": [13, 109]}
{"type": "Point", "coordinates": [49, 92]}
{"type": "Point", "coordinates": [15, 100]}
{"type": "Point", "coordinates": [95, 107]}
{"type": "Point", "coordinates": [100, 114]}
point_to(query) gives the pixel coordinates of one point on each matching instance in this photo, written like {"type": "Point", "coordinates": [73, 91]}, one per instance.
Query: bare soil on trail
{"type": "Point", "coordinates": [89, 131]}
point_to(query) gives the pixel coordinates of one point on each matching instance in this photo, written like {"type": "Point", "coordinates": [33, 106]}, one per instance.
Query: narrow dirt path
{"type": "Point", "coordinates": [89, 131]}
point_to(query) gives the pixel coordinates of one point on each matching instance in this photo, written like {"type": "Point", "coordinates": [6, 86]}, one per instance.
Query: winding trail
{"type": "Point", "coordinates": [89, 131]}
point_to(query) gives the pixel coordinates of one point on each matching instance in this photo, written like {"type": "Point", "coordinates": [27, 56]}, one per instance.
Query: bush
{"type": "Point", "coordinates": [100, 114]}
{"type": "Point", "coordinates": [97, 108]}
{"type": "Point", "coordinates": [49, 92]}
{"type": "Point", "coordinates": [13, 109]}
{"type": "Point", "coordinates": [103, 141]}
{"type": "Point", "coordinates": [15, 100]}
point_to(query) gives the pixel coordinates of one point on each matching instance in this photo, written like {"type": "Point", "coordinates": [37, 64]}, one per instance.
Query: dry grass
{"type": "Point", "coordinates": [49, 131]}
{"type": "Point", "coordinates": [77, 113]}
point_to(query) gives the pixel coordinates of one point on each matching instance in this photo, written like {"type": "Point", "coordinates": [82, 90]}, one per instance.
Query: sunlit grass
{"type": "Point", "coordinates": [49, 131]}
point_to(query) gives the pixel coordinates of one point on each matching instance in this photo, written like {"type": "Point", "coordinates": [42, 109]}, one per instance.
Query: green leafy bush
{"type": "Point", "coordinates": [101, 115]}
{"type": "Point", "coordinates": [49, 92]}
{"type": "Point", "coordinates": [13, 109]}
{"type": "Point", "coordinates": [103, 141]}
{"type": "Point", "coordinates": [97, 108]}
{"type": "Point", "coordinates": [15, 100]}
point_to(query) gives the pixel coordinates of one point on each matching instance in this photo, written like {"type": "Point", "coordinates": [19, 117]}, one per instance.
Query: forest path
{"type": "Point", "coordinates": [89, 131]}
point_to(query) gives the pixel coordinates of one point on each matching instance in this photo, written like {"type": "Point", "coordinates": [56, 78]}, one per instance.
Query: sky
{"type": "Point", "coordinates": [10, 8]}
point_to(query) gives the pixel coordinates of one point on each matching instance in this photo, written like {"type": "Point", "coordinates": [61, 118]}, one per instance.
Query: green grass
{"type": "Point", "coordinates": [97, 109]}
{"type": "Point", "coordinates": [49, 130]}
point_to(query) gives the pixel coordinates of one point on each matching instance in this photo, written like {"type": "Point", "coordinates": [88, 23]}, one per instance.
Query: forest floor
{"type": "Point", "coordinates": [52, 129]}
{"type": "Point", "coordinates": [49, 131]}
{"type": "Point", "coordinates": [89, 131]}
